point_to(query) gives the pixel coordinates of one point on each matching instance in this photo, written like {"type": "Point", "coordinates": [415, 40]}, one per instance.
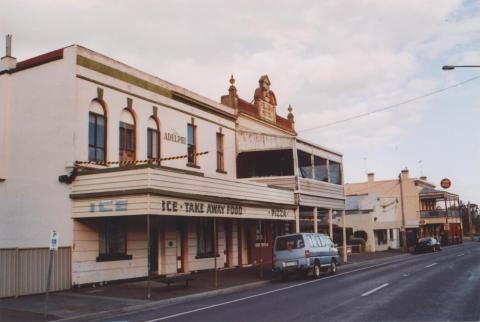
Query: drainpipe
{"type": "Point", "coordinates": [297, 185]}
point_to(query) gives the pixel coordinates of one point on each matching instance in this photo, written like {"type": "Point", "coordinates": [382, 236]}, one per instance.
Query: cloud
{"type": "Point", "coordinates": [329, 59]}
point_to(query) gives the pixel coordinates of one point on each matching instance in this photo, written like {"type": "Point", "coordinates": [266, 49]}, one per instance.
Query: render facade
{"type": "Point", "coordinates": [405, 208]}
{"type": "Point", "coordinates": [138, 176]}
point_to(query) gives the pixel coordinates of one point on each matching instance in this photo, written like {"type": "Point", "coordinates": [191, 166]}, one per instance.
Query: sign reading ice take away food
{"type": "Point", "coordinates": [54, 240]}
{"type": "Point", "coordinates": [199, 208]}
{"type": "Point", "coordinates": [445, 183]}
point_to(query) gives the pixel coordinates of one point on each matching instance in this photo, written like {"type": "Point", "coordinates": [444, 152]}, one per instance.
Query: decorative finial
{"type": "Point", "coordinates": [232, 89]}
{"type": "Point", "coordinates": [290, 116]}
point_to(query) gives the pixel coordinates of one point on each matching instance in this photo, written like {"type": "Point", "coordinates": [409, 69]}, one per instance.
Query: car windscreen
{"type": "Point", "coordinates": [289, 242]}
{"type": "Point", "coordinates": [425, 240]}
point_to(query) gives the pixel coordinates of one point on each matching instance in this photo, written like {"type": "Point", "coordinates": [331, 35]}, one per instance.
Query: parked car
{"type": "Point", "coordinates": [427, 244]}
{"type": "Point", "coordinates": [305, 252]}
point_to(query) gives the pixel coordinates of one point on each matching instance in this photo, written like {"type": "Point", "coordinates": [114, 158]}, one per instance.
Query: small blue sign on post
{"type": "Point", "coordinates": [54, 240]}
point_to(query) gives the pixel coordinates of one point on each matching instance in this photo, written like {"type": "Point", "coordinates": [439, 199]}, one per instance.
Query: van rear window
{"type": "Point", "coordinates": [289, 242]}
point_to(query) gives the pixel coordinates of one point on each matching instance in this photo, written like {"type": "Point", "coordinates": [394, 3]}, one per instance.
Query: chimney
{"type": "Point", "coordinates": [371, 177]}
{"type": "Point", "coordinates": [404, 174]}
{"type": "Point", "coordinates": [8, 62]}
{"type": "Point", "coordinates": [424, 178]}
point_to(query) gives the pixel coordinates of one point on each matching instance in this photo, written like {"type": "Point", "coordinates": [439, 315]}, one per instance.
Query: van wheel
{"type": "Point", "coordinates": [316, 270]}
{"type": "Point", "coordinates": [333, 267]}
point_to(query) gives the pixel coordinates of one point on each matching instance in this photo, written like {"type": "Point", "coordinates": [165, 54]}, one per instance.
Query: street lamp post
{"type": "Point", "coordinates": [450, 67]}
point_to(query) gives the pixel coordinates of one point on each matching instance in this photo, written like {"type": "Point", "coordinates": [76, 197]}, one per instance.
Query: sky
{"type": "Point", "coordinates": [330, 60]}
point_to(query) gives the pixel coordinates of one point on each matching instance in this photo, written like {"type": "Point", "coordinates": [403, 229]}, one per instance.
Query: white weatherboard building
{"type": "Point", "coordinates": [134, 173]}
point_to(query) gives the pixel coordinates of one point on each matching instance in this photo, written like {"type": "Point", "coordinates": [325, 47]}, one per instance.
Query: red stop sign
{"type": "Point", "coordinates": [445, 183]}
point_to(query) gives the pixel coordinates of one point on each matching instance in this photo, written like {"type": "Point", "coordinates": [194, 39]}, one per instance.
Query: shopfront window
{"type": "Point", "coordinates": [381, 236]}
{"type": "Point", "coordinates": [206, 238]}
{"type": "Point", "coordinates": [260, 233]}
{"type": "Point", "coordinates": [306, 220]}
{"type": "Point", "coordinates": [113, 240]}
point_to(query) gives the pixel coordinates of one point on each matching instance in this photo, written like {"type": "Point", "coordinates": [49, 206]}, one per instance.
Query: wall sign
{"type": "Point", "coordinates": [173, 136]}
{"type": "Point", "coordinates": [109, 205]}
{"type": "Point", "coordinates": [199, 208]}
{"type": "Point", "coordinates": [196, 207]}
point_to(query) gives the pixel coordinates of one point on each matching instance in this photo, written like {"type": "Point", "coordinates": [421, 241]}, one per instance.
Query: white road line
{"type": "Point", "coordinates": [405, 275]}
{"type": "Point", "coordinates": [461, 254]}
{"type": "Point", "coordinates": [375, 289]}
{"type": "Point", "coordinates": [430, 265]}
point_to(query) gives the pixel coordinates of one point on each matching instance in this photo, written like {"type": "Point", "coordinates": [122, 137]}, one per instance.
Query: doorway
{"type": "Point", "coordinates": [153, 255]}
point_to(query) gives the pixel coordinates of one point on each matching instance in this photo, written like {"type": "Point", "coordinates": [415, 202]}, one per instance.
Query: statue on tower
{"type": "Point", "coordinates": [263, 92]}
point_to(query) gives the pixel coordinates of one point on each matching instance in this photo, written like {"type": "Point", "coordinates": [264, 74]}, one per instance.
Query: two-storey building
{"type": "Point", "coordinates": [269, 151]}
{"type": "Point", "coordinates": [411, 207]}
{"type": "Point", "coordinates": [137, 176]}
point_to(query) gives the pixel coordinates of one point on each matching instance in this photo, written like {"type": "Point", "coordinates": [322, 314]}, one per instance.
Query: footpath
{"type": "Point", "coordinates": [89, 303]}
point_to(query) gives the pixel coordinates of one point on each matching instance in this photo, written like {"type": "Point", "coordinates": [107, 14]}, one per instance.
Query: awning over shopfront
{"type": "Point", "coordinates": [154, 190]}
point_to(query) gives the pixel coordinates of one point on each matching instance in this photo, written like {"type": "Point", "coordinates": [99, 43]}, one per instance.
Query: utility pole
{"type": "Point", "coordinates": [404, 230]}
{"type": "Point", "coordinates": [469, 214]}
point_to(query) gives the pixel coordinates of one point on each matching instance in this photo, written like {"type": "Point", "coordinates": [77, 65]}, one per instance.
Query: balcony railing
{"type": "Point", "coordinates": [439, 213]}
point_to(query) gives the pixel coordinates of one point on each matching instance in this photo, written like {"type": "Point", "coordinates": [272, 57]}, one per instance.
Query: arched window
{"type": "Point", "coordinates": [96, 132]}
{"type": "Point", "coordinates": [127, 136]}
{"type": "Point", "coordinates": [153, 139]}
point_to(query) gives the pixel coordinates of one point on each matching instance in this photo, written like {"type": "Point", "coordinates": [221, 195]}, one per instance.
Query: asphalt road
{"type": "Point", "coordinates": [426, 287]}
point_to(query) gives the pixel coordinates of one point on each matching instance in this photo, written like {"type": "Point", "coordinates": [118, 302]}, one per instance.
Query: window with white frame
{"type": "Point", "coordinates": [96, 132]}
{"type": "Point", "coordinates": [153, 139]}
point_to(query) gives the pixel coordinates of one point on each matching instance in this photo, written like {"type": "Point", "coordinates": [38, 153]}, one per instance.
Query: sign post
{"type": "Point", "coordinates": [53, 248]}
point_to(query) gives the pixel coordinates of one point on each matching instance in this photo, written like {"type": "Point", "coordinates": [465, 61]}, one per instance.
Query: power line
{"type": "Point", "coordinates": [383, 109]}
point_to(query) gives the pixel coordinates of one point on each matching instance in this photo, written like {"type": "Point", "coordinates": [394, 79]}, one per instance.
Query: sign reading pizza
{"type": "Point", "coordinates": [445, 183]}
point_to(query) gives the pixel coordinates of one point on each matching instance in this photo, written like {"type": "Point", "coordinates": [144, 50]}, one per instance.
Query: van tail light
{"type": "Point", "coordinates": [307, 253]}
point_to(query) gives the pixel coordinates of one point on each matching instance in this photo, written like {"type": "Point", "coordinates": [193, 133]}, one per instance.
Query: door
{"type": "Point", "coordinates": [179, 252]}
{"type": "Point", "coordinates": [229, 241]}
{"type": "Point", "coordinates": [153, 255]}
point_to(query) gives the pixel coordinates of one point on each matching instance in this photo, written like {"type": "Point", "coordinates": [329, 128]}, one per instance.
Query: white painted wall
{"type": "Point", "coordinates": [41, 139]}
{"type": "Point", "coordinates": [5, 98]}
{"type": "Point", "coordinates": [47, 129]}
{"type": "Point", "coordinates": [384, 213]}
{"type": "Point", "coordinates": [170, 121]}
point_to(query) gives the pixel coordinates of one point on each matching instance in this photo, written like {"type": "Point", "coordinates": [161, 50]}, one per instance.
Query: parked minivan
{"type": "Point", "coordinates": [305, 252]}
